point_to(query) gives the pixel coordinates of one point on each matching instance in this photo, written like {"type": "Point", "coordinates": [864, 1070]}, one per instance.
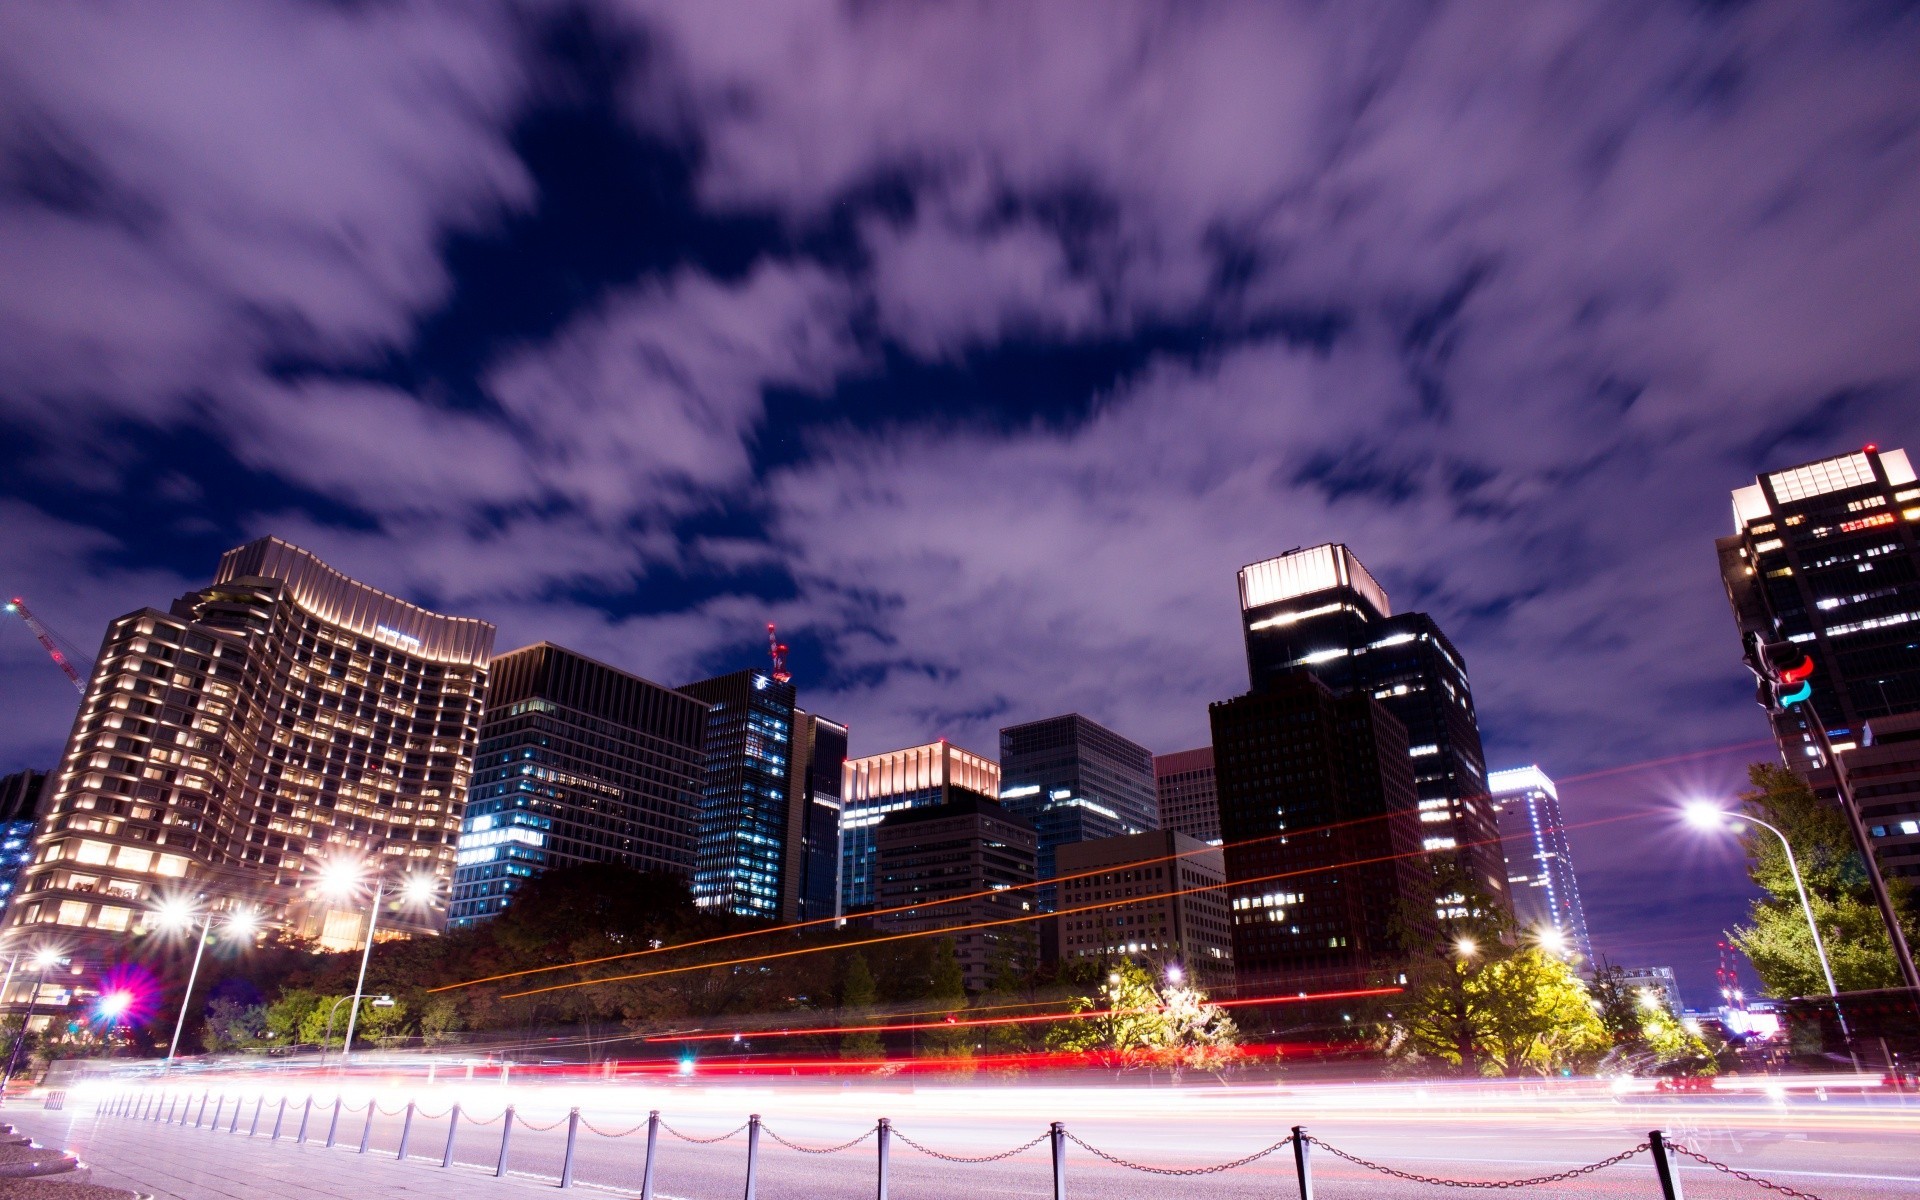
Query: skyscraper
{"type": "Point", "coordinates": [1076, 780]}
{"type": "Point", "coordinates": [19, 811]}
{"type": "Point", "coordinates": [1179, 915]}
{"type": "Point", "coordinates": [1885, 772]}
{"type": "Point", "coordinates": [1319, 609]}
{"type": "Point", "coordinates": [263, 727]}
{"type": "Point", "coordinates": [895, 781]}
{"type": "Point", "coordinates": [1189, 798]}
{"type": "Point", "coordinates": [1533, 837]}
{"type": "Point", "coordinates": [927, 858]}
{"type": "Point", "coordinates": [1825, 555]}
{"type": "Point", "coordinates": [810, 888]}
{"type": "Point", "coordinates": [1320, 814]}
{"type": "Point", "coordinates": [578, 762]}
{"type": "Point", "coordinates": [740, 855]}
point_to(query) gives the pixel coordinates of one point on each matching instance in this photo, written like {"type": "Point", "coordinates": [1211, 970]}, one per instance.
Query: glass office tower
{"type": "Point", "coordinates": [1533, 837]}
{"type": "Point", "coordinates": [1076, 780]}
{"type": "Point", "coordinates": [810, 889]}
{"type": "Point", "coordinates": [1320, 610]}
{"type": "Point", "coordinates": [1826, 555]}
{"type": "Point", "coordinates": [579, 762]}
{"type": "Point", "coordinates": [740, 853]}
{"type": "Point", "coordinates": [895, 781]}
{"type": "Point", "coordinates": [19, 808]}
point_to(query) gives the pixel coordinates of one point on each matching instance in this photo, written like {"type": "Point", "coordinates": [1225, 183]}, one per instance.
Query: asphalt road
{"type": "Point", "coordinates": [1828, 1144]}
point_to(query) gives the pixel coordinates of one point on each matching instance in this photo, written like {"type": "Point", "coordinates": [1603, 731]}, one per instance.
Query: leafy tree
{"type": "Point", "coordinates": [1776, 939]}
{"type": "Point", "coordinates": [947, 995]}
{"type": "Point", "coordinates": [856, 1008]}
{"type": "Point", "coordinates": [288, 1014]}
{"type": "Point", "coordinates": [375, 1021]}
{"type": "Point", "coordinates": [439, 1017]}
{"type": "Point", "coordinates": [1135, 1023]}
{"type": "Point", "coordinates": [232, 1025]}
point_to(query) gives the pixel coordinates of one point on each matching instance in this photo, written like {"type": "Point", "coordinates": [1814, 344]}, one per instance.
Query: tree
{"type": "Point", "coordinates": [375, 1021]}
{"type": "Point", "coordinates": [1132, 1022]}
{"type": "Point", "coordinates": [232, 1025]}
{"type": "Point", "coordinates": [947, 996]}
{"type": "Point", "coordinates": [856, 1008]}
{"type": "Point", "coordinates": [1776, 939]}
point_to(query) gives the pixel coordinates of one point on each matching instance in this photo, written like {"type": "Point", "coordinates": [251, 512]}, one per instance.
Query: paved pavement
{"type": "Point", "coordinates": [1836, 1150]}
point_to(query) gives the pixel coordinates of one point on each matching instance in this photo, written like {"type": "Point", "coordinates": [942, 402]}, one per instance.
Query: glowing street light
{"type": "Point", "coordinates": [177, 915]}
{"type": "Point", "coordinates": [343, 879]}
{"type": "Point", "coordinates": [1175, 974]}
{"type": "Point", "coordinates": [1467, 947]}
{"type": "Point", "coordinates": [1552, 939]}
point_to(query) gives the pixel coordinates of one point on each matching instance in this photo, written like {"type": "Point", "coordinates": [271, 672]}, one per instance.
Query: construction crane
{"type": "Point", "coordinates": [47, 641]}
{"type": "Point", "coordinates": [778, 651]}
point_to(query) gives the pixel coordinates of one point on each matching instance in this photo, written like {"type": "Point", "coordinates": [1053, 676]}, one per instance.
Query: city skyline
{"type": "Point", "coordinates": [981, 398]}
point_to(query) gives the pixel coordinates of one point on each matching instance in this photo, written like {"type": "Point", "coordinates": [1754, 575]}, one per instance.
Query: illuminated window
{"type": "Point", "coordinates": [93, 854]}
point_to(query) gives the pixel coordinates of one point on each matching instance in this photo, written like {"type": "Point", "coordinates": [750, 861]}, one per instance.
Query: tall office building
{"type": "Point", "coordinates": [279, 720]}
{"type": "Point", "coordinates": [579, 762]}
{"type": "Point", "coordinates": [1319, 609]}
{"type": "Point", "coordinates": [1189, 798]}
{"type": "Point", "coordinates": [1533, 838]}
{"type": "Point", "coordinates": [810, 886]}
{"type": "Point", "coordinates": [965, 862]}
{"type": "Point", "coordinates": [740, 856]}
{"type": "Point", "coordinates": [19, 812]}
{"type": "Point", "coordinates": [1178, 913]}
{"type": "Point", "coordinates": [1825, 555]}
{"type": "Point", "coordinates": [895, 781]}
{"type": "Point", "coordinates": [1885, 773]}
{"type": "Point", "coordinates": [1076, 780]}
{"type": "Point", "coordinates": [1320, 814]}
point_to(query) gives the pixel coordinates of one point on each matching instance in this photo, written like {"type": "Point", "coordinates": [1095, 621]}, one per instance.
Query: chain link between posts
{"type": "Point", "coordinates": [590, 1127]}
{"type": "Point", "coordinates": [477, 1121]}
{"type": "Point", "coordinates": [705, 1141]}
{"type": "Point", "coordinates": [424, 1115]}
{"type": "Point", "coordinates": [961, 1158]}
{"type": "Point", "coordinates": [819, 1149]}
{"type": "Point", "coordinates": [1778, 1188]}
{"type": "Point", "coordinates": [539, 1128]}
{"type": "Point", "coordinates": [1117, 1161]}
{"type": "Point", "coordinates": [1436, 1181]}
{"type": "Point", "coordinates": [396, 1112]}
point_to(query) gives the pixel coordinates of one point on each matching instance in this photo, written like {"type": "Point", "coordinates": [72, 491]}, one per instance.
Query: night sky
{"type": "Point", "coordinates": [978, 345]}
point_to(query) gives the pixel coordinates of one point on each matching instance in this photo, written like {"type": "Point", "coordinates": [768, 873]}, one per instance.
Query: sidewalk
{"type": "Point", "coordinates": [173, 1164]}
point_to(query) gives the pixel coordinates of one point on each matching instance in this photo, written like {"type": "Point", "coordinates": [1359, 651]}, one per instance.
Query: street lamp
{"type": "Point", "coordinates": [43, 960]}
{"type": "Point", "coordinates": [1467, 947]}
{"type": "Point", "coordinates": [177, 914]}
{"type": "Point", "coordinates": [1713, 819]}
{"type": "Point", "coordinates": [1552, 939]}
{"type": "Point", "coordinates": [343, 878]}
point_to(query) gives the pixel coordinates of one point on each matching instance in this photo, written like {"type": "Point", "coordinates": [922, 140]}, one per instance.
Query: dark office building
{"type": "Point", "coordinates": [1825, 555]}
{"type": "Point", "coordinates": [969, 846]}
{"type": "Point", "coordinates": [810, 882]}
{"type": "Point", "coordinates": [1320, 814]}
{"type": "Point", "coordinates": [578, 762]}
{"type": "Point", "coordinates": [740, 859]}
{"type": "Point", "coordinates": [1189, 799]}
{"type": "Point", "coordinates": [1076, 780]}
{"type": "Point", "coordinates": [878, 784]}
{"type": "Point", "coordinates": [19, 807]}
{"type": "Point", "coordinates": [1320, 610]}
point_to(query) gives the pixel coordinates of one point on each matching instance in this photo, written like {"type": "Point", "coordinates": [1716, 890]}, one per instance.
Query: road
{"type": "Point", "coordinates": [1829, 1144]}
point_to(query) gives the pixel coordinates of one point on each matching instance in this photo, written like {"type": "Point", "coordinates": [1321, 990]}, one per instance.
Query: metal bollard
{"type": "Point", "coordinates": [1302, 1165]}
{"type": "Point", "coordinates": [204, 1097]}
{"type": "Point", "coordinates": [406, 1133]}
{"type": "Point", "coordinates": [1664, 1167]}
{"type": "Point", "coordinates": [882, 1137]}
{"type": "Point", "coordinates": [305, 1114]}
{"type": "Point", "coordinates": [453, 1127]}
{"type": "Point", "coordinates": [506, 1136]}
{"type": "Point", "coordinates": [235, 1126]}
{"type": "Point", "coordinates": [366, 1131]}
{"type": "Point", "coordinates": [1057, 1134]}
{"type": "Point", "coordinates": [573, 1132]}
{"type": "Point", "coordinates": [333, 1126]}
{"type": "Point", "coordinates": [753, 1151]}
{"type": "Point", "coordinates": [653, 1139]}
{"type": "Point", "coordinates": [276, 1120]}
{"type": "Point", "coordinates": [173, 1108]}
{"type": "Point", "coordinates": [259, 1104]}
{"type": "Point", "coordinates": [218, 1106]}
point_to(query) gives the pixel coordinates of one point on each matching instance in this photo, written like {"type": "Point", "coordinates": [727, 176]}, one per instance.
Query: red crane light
{"type": "Point", "coordinates": [777, 650]}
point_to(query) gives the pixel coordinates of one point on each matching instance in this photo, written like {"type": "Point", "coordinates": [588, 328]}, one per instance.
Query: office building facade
{"type": "Point", "coordinates": [1172, 905]}
{"type": "Point", "coordinates": [1320, 610]}
{"type": "Point", "coordinates": [1189, 796]}
{"type": "Point", "coordinates": [1076, 781]}
{"type": "Point", "coordinates": [1320, 812]}
{"type": "Point", "coordinates": [19, 812]}
{"type": "Point", "coordinates": [1884, 772]}
{"type": "Point", "coordinates": [810, 885]}
{"type": "Point", "coordinates": [282, 719]}
{"type": "Point", "coordinates": [578, 762]}
{"type": "Point", "coordinates": [1540, 878]}
{"type": "Point", "coordinates": [878, 784]}
{"type": "Point", "coordinates": [1824, 555]}
{"type": "Point", "coordinates": [965, 862]}
{"type": "Point", "coordinates": [740, 854]}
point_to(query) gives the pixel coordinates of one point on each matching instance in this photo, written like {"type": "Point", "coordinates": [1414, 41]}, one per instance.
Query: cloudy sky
{"type": "Point", "coordinates": [975, 344]}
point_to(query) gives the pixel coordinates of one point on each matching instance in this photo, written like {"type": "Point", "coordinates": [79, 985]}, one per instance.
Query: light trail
{"type": "Point", "coordinates": [1651, 763]}
{"type": "Point", "coordinates": [1024, 918]}
{"type": "Point", "coordinates": [1030, 1019]}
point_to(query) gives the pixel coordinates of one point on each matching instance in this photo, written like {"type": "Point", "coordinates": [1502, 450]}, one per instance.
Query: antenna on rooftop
{"type": "Point", "coordinates": [778, 651]}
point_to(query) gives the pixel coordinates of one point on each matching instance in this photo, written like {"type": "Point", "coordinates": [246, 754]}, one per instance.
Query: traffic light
{"type": "Point", "coordinates": [1784, 671]}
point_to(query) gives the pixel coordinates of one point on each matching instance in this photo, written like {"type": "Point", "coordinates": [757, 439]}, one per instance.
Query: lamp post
{"type": "Point", "coordinates": [327, 1041]}
{"type": "Point", "coordinates": [1708, 817]}
{"type": "Point", "coordinates": [343, 879]}
{"type": "Point", "coordinates": [42, 961]}
{"type": "Point", "coordinates": [179, 915]}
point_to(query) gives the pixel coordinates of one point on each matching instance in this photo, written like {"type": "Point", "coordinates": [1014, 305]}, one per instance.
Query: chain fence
{"type": "Point", "coordinates": [166, 1108]}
